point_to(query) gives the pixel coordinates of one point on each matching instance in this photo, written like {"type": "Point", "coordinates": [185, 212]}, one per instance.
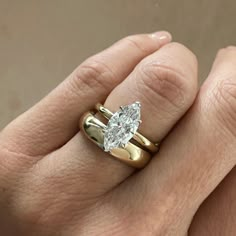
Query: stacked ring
{"type": "Point", "coordinates": [116, 137]}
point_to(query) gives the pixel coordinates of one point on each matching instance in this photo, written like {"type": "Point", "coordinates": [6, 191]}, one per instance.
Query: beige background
{"type": "Point", "coordinates": [43, 41]}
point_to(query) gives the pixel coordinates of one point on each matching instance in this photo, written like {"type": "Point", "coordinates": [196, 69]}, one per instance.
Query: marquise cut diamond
{"type": "Point", "coordinates": [122, 126]}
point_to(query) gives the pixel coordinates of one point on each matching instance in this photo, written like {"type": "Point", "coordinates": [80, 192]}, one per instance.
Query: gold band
{"type": "Point", "coordinates": [139, 138]}
{"type": "Point", "coordinates": [130, 154]}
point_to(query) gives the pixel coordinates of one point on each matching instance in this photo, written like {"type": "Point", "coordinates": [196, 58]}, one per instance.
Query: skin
{"type": "Point", "coordinates": [53, 181]}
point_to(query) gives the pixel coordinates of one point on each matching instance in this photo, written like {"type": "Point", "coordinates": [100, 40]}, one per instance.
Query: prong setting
{"type": "Point", "coordinates": [122, 126]}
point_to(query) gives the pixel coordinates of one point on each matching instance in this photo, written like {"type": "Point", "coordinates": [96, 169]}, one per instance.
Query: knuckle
{"type": "Point", "coordinates": [165, 82]}
{"type": "Point", "coordinates": [231, 48]}
{"type": "Point", "coordinates": [225, 97]}
{"type": "Point", "coordinates": [184, 51]}
{"type": "Point", "coordinates": [221, 52]}
{"type": "Point", "coordinates": [224, 52]}
{"type": "Point", "coordinates": [92, 73]}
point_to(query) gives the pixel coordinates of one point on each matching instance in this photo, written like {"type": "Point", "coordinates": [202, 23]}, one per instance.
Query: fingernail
{"type": "Point", "coordinates": [162, 37]}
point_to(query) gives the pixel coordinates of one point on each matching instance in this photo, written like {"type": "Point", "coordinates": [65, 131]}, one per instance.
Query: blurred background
{"type": "Point", "coordinates": [41, 42]}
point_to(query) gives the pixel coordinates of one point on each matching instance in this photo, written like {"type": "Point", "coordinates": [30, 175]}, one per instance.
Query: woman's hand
{"type": "Point", "coordinates": [54, 181]}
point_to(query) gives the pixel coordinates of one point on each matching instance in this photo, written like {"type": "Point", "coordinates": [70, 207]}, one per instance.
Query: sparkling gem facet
{"type": "Point", "coordinates": [122, 126]}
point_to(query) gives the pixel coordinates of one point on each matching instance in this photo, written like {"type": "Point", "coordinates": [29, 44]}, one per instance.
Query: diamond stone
{"type": "Point", "coordinates": [122, 126]}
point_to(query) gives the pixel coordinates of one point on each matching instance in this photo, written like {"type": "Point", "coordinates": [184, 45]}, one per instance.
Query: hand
{"type": "Point", "coordinates": [54, 181]}
{"type": "Point", "coordinates": [216, 216]}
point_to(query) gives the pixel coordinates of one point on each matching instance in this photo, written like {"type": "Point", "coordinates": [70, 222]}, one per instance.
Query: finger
{"type": "Point", "coordinates": [217, 219]}
{"type": "Point", "coordinates": [165, 83]}
{"type": "Point", "coordinates": [193, 159]}
{"type": "Point", "coordinates": [54, 120]}
{"type": "Point", "coordinates": [170, 94]}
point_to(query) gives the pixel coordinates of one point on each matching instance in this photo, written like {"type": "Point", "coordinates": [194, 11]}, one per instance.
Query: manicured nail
{"type": "Point", "coordinates": [162, 37]}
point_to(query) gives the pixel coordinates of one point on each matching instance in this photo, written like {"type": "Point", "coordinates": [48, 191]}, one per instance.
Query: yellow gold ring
{"type": "Point", "coordinates": [115, 137]}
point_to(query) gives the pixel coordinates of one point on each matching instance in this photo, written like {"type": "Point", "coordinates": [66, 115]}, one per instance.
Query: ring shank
{"type": "Point", "coordinates": [131, 154]}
